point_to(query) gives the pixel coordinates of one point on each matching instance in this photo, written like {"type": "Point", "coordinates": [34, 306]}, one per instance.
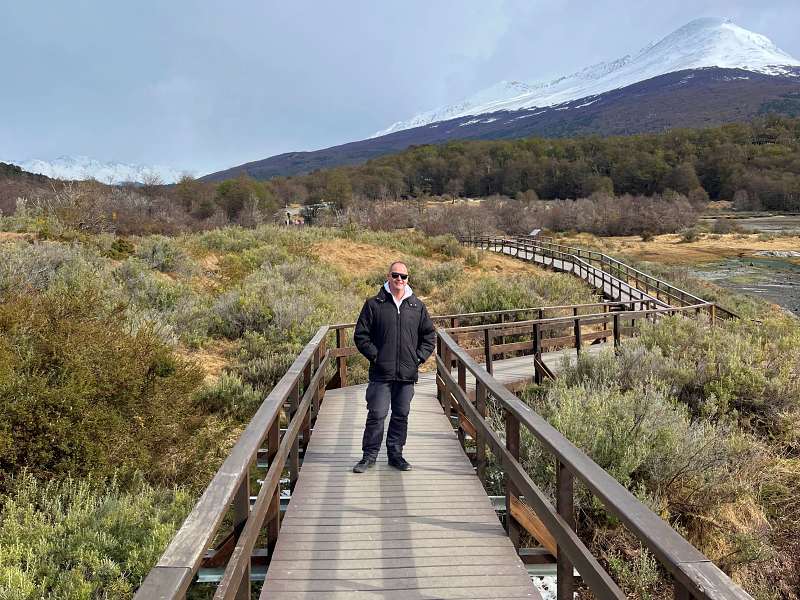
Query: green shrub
{"type": "Point", "coordinates": [121, 249]}
{"type": "Point", "coordinates": [231, 396]}
{"type": "Point", "coordinates": [425, 280]}
{"type": "Point", "coordinates": [31, 268]}
{"type": "Point", "coordinates": [80, 392]}
{"type": "Point", "coordinates": [639, 575]}
{"type": "Point", "coordinates": [489, 293]}
{"type": "Point", "coordinates": [725, 226]}
{"type": "Point", "coordinates": [164, 254]}
{"type": "Point", "coordinates": [75, 538]}
{"type": "Point", "coordinates": [264, 372]}
{"type": "Point", "coordinates": [689, 235]}
{"type": "Point", "coordinates": [289, 302]}
{"type": "Point", "coordinates": [446, 245]}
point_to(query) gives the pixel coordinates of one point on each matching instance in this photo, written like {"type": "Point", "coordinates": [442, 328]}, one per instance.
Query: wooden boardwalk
{"type": "Point", "coordinates": [427, 533]}
{"type": "Point", "coordinates": [620, 291]}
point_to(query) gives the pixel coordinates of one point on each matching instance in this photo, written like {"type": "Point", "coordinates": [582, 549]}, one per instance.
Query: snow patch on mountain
{"type": "Point", "coordinates": [708, 42]}
{"type": "Point", "coordinates": [80, 168]}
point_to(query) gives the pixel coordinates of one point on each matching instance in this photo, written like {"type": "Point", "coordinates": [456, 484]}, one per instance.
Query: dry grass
{"type": "Point", "coordinates": [211, 358]}
{"type": "Point", "coordinates": [669, 249]}
{"type": "Point", "coordinates": [358, 258]}
{"type": "Point", "coordinates": [11, 236]}
{"type": "Point", "coordinates": [492, 263]}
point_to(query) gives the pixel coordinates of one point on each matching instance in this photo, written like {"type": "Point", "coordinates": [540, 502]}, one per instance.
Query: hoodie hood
{"type": "Point", "coordinates": [407, 294]}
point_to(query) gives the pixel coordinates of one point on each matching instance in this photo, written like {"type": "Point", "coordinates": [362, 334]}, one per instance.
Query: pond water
{"type": "Point", "coordinates": [772, 279]}
{"type": "Point", "coordinates": [766, 224]}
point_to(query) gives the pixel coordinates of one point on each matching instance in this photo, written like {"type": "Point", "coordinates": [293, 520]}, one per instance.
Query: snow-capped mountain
{"type": "Point", "coordinates": [83, 167]}
{"type": "Point", "coordinates": [702, 43]}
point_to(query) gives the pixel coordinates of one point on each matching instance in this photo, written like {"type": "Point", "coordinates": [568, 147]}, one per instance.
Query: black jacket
{"type": "Point", "coordinates": [394, 343]}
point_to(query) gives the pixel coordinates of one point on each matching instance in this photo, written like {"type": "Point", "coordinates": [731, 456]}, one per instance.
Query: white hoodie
{"type": "Point", "coordinates": [397, 302]}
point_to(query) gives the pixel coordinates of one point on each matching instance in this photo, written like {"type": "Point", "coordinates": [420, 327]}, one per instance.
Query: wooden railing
{"type": "Point", "coordinates": [555, 333]}
{"type": "Point", "coordinates": [343, 350]}
{"type": "Point", "coordinates": [615, 272]}
{"type": "Point", "coordinates": [694, 575]}
{"type": "Point", "coordinates": [230, 487]}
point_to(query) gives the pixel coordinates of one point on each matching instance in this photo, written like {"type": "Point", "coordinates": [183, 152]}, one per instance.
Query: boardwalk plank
{"type": "Point", "coordinates": [390, 534]}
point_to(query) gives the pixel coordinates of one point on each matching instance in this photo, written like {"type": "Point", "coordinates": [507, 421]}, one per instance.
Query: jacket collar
{"type": "Point", "coordinates": [384, 295]}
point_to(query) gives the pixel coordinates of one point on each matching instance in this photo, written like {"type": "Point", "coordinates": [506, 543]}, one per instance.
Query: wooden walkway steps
{"type": "Point", "coordinates": [428, 533]}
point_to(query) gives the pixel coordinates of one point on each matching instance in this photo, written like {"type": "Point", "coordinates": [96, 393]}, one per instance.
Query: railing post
{"type": "Point", "coordinates": [294, 454]}
{"type": "Point", "coordinates": [537, 351]}
{"type": "Point", "coordinates": [320, 354]}
{"type": "Point", "coordinates": [616, 331]}
{"type": "Point", "coordinates": [241, 512]}
{"type": "Point", "coordinates": [462, 383]}
{"type": "Point", "coordinates": [565, 580]}
{"type": "Point", "coordinates": [341, 361]}
{"type": "Point", "coordinates": [440, 353]}
{"type": "Point", "coordinates": [713, 313]}
{"type": "Point", "coordinates": [502, 337]}
{"type": "Point", "coordinates": [312, 413]}
{"type": "Point", "coordinates": [578, 341]}
{"type": "Point", "coordinates": [680, 592]}
{"type": "Point", "coordinates": [487, 350]}
{"type": "Point", "coordinates": [480, 441]}
{"type": "Point", "coordinates": [512, 445]}
{"type": "Point", "coordinates": [274, 520]}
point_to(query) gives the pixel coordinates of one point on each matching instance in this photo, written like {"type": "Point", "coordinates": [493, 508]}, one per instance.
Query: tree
{"type": "Point", "coordinates": [338, 189]}
{"type": "Point", "coordinates": [187, 191]}
{"type": "Point", "coordinates": [233, 195]}
{"type": "Point", "coordinates": [682, 178]}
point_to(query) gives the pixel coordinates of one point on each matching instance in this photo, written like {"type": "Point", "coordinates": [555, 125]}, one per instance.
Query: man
{"type": "Point", "coordinates": [396, 334]}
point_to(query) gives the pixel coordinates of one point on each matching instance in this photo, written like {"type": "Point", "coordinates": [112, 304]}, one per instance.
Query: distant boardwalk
{"type": "Point", "coordinates": [427, 533]}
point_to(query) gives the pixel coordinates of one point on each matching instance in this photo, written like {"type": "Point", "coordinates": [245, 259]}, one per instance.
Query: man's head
{"type": "Point", "coordinates": [397, 277]}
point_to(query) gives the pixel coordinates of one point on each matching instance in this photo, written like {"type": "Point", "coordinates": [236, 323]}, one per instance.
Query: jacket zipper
{"type": "Point", "coordinates": [397, 354]}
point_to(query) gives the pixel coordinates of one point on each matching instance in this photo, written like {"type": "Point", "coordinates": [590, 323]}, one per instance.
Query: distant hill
{"type": "Point", "coordinates": [17, 183]}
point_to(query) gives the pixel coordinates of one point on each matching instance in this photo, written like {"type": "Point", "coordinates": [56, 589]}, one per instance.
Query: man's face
{"type": "Point", "coordinates": [397, 284]}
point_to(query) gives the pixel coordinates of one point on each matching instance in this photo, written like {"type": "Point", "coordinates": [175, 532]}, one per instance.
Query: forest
{"type": "Point", "coordinates": [755, 164]}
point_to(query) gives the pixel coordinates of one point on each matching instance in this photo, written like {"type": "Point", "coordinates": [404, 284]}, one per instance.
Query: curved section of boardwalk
{"type": "Point", "coordinates": [427, 533]}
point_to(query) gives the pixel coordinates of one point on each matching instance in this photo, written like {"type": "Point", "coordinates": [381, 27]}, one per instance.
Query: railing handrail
{"type": "Point", "coordinates": [592, 318]}
{"type": "Point", "coordinates": [507, 311]}
{"type": "Point", "coordinates": [686, 563]}
{"type": "Point", "coordinates": [172, 575]}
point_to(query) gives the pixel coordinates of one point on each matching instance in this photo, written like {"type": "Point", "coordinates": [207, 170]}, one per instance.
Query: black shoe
{"type": "Point", "coordinates": [399, 463]}
{"type": "Point", "coordinates": [364, 464]}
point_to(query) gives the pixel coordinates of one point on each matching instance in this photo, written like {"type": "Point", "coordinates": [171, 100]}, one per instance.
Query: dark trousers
{"type": "Point", "coordinates": [380, 396]}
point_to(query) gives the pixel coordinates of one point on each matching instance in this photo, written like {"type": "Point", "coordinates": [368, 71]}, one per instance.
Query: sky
{"type": "Point", "coordinates": [203, 86]}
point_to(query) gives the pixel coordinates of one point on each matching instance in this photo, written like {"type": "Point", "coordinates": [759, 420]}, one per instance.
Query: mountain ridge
{"type": "Point", "coordinates": [77, 168]}
{"type": "Point", "coordinates": [701, 43]}
{"type": "Point", "coordinates": [686, 99]}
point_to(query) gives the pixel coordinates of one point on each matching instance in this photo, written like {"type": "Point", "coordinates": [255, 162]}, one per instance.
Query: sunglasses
{"type": "Point", "coordinates": [402, 276]}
